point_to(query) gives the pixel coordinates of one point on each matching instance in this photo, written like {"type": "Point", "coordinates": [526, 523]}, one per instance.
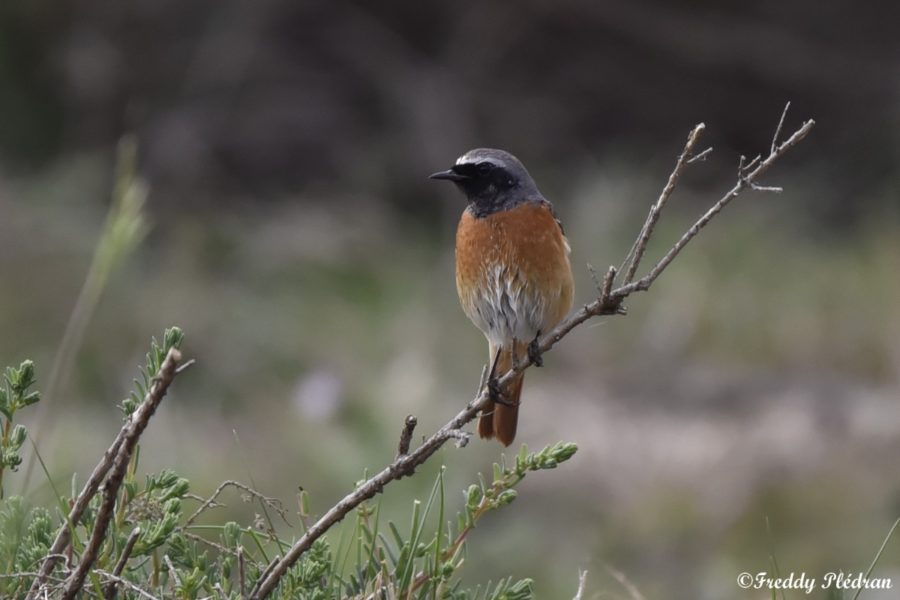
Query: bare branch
{"type": "Point", "coordinates": [640, 245]}
{"type": "Point", "coordinates": [766, 188]}
{"type": "Point", "coordinates": [185, 365]}
{"type": "Point", "coordinates": [608, 302]}
{"type": "Point", "coordinates": [28, 575]}
{"type": "Point", "coordinates": [268, 570]}
{"type": "Point", "coordinates": [778, 129]}
{"type": "Point", "coordinates": [61, 542]}
{"type": "Point", "coordinates": [112, 587]}
{"type": "Point", "coordinates": [208, 542]}
{"type": "Point", "coordinates": [633, 592]}
{"type": "Point", "coordinates": [136, 425]}
{"type": "Point", "coordinates": [242, 567]}
{"type": "Point", "coordinates": [461, 437]}
{"type": "Point", "coordinates": [401, 467]}
{"type": "Point", "coordinates": [173, 573]}
{"type": "Point", "coordinates": [700, 157]}
{"type": "Point", "coordinates": [582, 577]}
{"type": "Point", "coordinates": [644, 283]}
{"type": "Point", "coordinates": [606, 289]}
{"type": "Point", "coordinates": [124, 582]}
{"type": "Point", "coordinates": [211, 502]}
{"type": "Point", "coordinates": [409, 425]}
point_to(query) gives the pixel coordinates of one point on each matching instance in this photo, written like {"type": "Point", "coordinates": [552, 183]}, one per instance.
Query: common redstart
{"type": "Point", "coordinates": [513, 274]}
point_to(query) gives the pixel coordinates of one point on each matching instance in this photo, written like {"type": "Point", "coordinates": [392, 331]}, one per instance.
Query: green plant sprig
{"type": "Point", "coordinates": [14, 396]}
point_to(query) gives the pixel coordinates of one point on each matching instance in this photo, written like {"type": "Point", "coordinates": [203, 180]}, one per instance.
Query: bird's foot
{"type": "Point", "coordinates": [534, 351]}
{"type": "Point", "coordinates": [495, 392]}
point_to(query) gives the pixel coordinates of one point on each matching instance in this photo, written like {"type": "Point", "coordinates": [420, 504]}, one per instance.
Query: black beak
{"type": "Point", "coordinates": [449, 175]}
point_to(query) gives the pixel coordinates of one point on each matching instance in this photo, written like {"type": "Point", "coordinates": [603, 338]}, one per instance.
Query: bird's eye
{"type": "Point", "coordinates": [484, 168]}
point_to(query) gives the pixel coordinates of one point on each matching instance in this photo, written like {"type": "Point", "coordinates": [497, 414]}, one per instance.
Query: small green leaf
{"type": "Point", "coordinates": [505, 497]}
{"type": "Point", "coordinates": [473, 497]}
{"type": "Point", "coordinates": [231, 534]}
{"type": "Point", "coordinates": [31, 398]}
{"type": "Point", "coordinates": [17, 437]}
{"type": "Point", "coordinates": [172, 338]}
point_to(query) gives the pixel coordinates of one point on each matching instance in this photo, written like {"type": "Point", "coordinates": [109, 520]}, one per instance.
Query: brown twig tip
{"type": "Point", "coordinates": [409, 425]}
{"type": "Point", "coordinates": [607, 284]}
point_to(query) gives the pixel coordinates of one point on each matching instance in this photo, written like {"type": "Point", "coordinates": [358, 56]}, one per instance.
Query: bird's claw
{"type": "Point", "coordinates": [534, 352]}
{"type": "Point", "coordinates": [495, 392]}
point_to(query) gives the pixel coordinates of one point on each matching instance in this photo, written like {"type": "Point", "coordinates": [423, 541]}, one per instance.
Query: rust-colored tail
{"type": "Point", "coordinates": [500, 420]}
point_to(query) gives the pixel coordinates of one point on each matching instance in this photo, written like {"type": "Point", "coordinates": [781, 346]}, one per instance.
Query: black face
{"type": "Point", "coordinates": [492, 180]}
{"type": "Point", "coordinates": [480, 180]}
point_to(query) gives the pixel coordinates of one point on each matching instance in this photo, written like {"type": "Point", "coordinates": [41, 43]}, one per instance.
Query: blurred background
{"type": "Point", "coordinates": [747, 405]}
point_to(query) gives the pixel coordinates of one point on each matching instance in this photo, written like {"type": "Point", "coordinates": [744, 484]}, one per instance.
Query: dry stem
{"type": "Point", "coordinates": [132, 433]}
{"type": "Point", "coordinates": [112, 587]}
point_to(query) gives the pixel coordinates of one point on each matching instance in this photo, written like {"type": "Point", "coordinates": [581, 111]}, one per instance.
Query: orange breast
{"type": "Point", "coordinates": [512, 272]}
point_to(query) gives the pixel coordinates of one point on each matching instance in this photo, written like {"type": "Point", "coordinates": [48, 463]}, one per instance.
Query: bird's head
{"type": "Point", "coordinates": [491, 179]}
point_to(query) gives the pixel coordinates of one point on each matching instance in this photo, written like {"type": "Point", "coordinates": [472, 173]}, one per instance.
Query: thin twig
{"type": "Point", "coordinates": [184, 366]}
{"type": "Point", "coordinates": [701, 156]}
{"type": "Point", "coordinates": [173, 573]}
{"type": "Point", "coordinates": [778, 129]}
{"type": "Point", "coordinates": [136, 426]}
{"type": "Point", "coordinates": [242, 567]}
{"type": "Point", "coordinates": [746, 167]}
{"type": "Point", "coordinates": [111, 587]}
{"type": "Point", "coordinates": [608, 280]}
{"type": "Point", "coordinates": [124, 582]}
{"type": "Point", "coordinates": [267, 571]}
{"type": "Point", "coordinates": [202, 540]}
{"type": "Point", "coordinates": [640, 245]}
{"type": "Point", "coordinates": [582, 577]}
{"type": "Point", "coordinates": [594, 277]}
{"type": "Point", "coordinates": [619, 576]}
{"type": "Point", "coordinates": [766, 188]}
{"type": "Point", "coordinates": [644, 283]}
{"type": "Point", "coordinates": [406, 464]}
{"type": "Point", "coordinates": [484, 378]}
{"type": "Point", "coordinates": [461, 437]}
{"type": "Point", "coordinates": [211, 502]}
{"type": "Point", "coordinates": [409, 425]}
{"type": "Point", "coordinates": [29, 575]}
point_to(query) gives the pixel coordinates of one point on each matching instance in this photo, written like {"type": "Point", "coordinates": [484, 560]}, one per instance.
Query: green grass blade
{"type": "Point", "coordinates": [884, 544]}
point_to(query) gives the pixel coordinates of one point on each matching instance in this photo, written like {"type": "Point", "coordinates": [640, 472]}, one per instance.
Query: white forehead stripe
{"type": "Point", "coordinates": [476, 157]}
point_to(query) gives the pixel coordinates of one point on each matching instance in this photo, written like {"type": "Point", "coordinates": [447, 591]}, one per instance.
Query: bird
{"type": "Point", "coordinates": [513, 274]}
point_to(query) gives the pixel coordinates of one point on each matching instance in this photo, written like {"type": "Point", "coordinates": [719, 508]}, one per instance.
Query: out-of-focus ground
{"type": "Point", "coordinates": [747, 405]}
